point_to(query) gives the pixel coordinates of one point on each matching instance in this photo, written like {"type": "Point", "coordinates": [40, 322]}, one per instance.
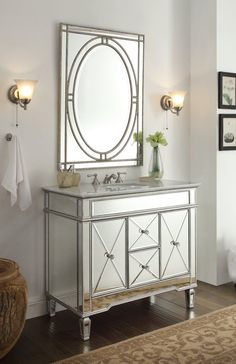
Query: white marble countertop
{"type": "Point", "coordinates": [86, 190]}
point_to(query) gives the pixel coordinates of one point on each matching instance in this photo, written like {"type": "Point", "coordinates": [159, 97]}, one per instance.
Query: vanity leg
{"type": "Point", "coordinates": [189, 296]}
{"type": "Point", "coordinates": [51, 306]}
{"type": "Point", "coordinates": [152, 299]}
{"type": "Point", "coordinates": [85, 328]}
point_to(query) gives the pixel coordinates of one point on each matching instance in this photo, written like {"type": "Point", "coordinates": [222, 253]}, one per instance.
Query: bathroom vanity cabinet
{"type": "Point", "coordinates": [110, 244]}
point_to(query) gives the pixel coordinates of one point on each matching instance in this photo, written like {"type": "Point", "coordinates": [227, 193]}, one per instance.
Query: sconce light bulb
{"type": "Point", "coordinates": [178, 99]}
{"type": "Point", "coordinates": [25, 93]}
{"type": "Point", "coordinates": [25, 88]}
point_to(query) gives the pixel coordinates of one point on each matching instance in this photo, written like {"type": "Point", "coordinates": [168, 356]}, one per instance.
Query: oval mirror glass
{"type": "Point", "coordinates": [102, 98]}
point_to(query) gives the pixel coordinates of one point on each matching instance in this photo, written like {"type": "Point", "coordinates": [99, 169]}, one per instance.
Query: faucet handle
{"type": "Point", "coordinates": [105, 181]}
{"type": "Point", "coordinates": [119, 179]}
{"type": "Point", "coordinates": [95, 180]}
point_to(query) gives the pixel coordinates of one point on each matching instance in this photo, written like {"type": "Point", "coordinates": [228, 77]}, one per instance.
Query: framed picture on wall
{"type": "Point", "coordinates": [226, 90]}
{"type": "Point", "coordinates": [227, 131]}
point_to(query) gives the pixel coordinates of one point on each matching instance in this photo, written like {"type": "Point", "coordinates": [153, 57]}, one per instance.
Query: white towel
{"type": "Point", "coordinates": [16, 179]}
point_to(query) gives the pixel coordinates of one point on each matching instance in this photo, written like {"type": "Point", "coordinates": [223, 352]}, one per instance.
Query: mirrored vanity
{"type": "Point", "coordinates": [110, 244]}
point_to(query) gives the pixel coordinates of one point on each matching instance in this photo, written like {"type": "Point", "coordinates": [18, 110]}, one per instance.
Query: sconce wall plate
{"type": "Point", "coordinates": [166, 102]}
{"type": "Point", "coordinates": [12, 94]}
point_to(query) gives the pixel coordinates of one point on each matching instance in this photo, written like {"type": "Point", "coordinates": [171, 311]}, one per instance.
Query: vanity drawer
{"type": "Point", "coordinates": [139, 203]}
{"type": "Point", "coordinates": [144, 267]}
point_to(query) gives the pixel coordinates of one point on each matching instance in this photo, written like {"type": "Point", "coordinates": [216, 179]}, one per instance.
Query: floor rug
{"type": "Point", "coordinates": [210, 338]}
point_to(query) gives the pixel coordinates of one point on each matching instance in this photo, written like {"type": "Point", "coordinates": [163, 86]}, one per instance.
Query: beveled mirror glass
{"type": "Point", "coordinates": [101, 104]}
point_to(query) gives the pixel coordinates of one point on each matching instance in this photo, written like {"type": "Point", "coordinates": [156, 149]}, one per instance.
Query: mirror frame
{"type": "Point", "coordinates": [102, 160]}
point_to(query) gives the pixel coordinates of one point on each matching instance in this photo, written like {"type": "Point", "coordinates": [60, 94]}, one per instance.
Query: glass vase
{"type": "Point", "coordinates": [156, 166]}
{"type": "Point", "coordinates": [140, 155]}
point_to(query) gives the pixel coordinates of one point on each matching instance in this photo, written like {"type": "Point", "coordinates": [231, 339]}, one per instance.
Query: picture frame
{"type": "Point", "coordinates": [226, 90]}
{"type": "Point", "coordinates": [227, 132]}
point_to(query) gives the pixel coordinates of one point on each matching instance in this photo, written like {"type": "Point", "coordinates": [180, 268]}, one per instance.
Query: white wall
{"type": "Point", "coordinates": [226, 160]}
{"type": "Point", "coordinates": [203, 131]}
{"type": "Point", "coordinates": [213, 48]}
{"type": "Point", "coordinates": [29, 42]}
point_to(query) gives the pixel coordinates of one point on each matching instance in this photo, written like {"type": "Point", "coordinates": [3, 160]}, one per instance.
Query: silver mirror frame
{"type": "Point", "coordinates": [68, 79]}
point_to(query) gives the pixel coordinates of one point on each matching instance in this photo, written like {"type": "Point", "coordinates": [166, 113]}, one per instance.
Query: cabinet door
{"type": "Point", "coordinates": [108, 256]}
{"type": "Point", "coordinates": [175, 249]}
{"type": "Point", "coordinates": [143, 249]}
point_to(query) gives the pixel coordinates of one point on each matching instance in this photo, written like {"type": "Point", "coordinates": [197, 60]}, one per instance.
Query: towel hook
{"type": "Point", "coordinates": [9, 137]}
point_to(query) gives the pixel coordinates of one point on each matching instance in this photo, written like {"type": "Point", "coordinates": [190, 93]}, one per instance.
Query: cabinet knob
{"type": "Point", "coordinates": [144, 231]}
{"type": "Point", "coordinates": [175, 243]}
{"type": "Point", "coordinates": [109, 256]}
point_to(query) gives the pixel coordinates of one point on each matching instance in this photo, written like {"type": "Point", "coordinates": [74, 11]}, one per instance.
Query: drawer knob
{"type": "Point", "coordinates": [109, 256]}
{"type": "Point", "coordinates": [144, 266]}
{"type": "Point", "coordinates": [144, 231]}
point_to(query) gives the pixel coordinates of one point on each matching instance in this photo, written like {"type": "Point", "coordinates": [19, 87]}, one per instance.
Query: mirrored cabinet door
{"type": "Point", "coordinates": [175, 243]}
{"type": "Point", "coordinates": [108, 256]}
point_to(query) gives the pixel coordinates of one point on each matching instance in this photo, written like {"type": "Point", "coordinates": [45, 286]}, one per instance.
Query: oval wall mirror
{"type": "Point", "coordinates": [101, 98]}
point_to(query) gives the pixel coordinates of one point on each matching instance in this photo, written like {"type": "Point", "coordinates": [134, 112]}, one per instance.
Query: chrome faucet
{"type": "Point", "coordinates": [108, 179]}
{"type": "Point", "coordinates": [95, 180]}
{"type": "Point", "coordinates": [119, 179]}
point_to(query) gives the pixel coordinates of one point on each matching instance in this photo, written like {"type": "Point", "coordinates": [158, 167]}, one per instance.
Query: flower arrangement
{"type": "Point", "coordinates": [156, 166]}
{"type": "Point", "coordinates": [156, 139]}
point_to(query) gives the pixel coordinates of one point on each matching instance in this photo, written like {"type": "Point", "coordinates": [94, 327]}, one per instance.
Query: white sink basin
{"type": "Point", "coordinates": [122, 187]}
{"type": "Point", "coordinates": [116, 187]}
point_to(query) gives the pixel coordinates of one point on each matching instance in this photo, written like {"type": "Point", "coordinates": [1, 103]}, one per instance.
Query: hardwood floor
{"type": "Point", "coordinates": [45, 340]}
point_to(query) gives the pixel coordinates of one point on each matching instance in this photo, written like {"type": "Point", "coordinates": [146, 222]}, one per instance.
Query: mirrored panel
{"type": "Point", "coordinates": [101, 104]}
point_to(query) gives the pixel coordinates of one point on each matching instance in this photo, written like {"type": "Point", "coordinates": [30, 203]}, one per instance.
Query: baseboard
{"type": "Point", "coordinates": [38, 306]}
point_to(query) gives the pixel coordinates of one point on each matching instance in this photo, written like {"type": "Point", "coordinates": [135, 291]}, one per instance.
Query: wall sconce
{"type": "Point", "coordinates": [173, 102]}
{"type": "Point", "coordinates": [22, 92]}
